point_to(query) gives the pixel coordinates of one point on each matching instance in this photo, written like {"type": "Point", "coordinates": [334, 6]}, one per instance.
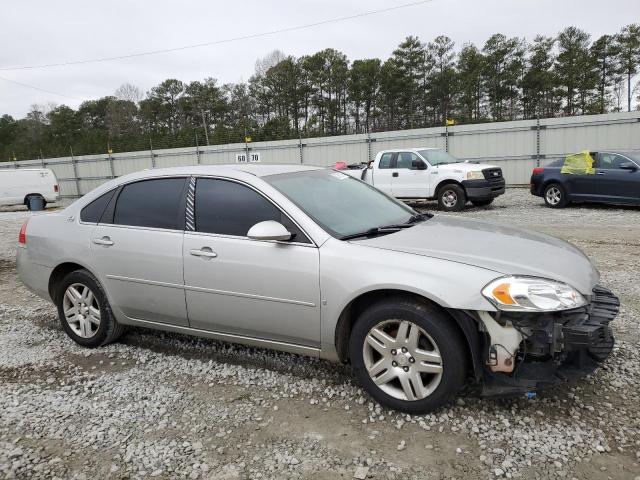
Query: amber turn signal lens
{"type": "Point", "coordinates": [501, 293]}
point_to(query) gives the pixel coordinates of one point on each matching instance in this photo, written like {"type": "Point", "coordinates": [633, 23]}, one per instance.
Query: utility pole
{"type": "Point", "coordinates": [204, 125]}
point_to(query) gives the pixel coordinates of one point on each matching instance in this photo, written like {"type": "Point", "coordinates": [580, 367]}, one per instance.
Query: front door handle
{"type": "Point", "coordinates": [394, 174]}
{"type": "Point", "coordinates": [106, 241]}
{"type": "Point", "coordinates": [205, 252]}
{"type": "Point", "coordinates": [600, 173]}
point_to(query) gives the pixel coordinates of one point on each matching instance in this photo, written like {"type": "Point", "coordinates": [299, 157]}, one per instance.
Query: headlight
{"type": "Point", "coordinates": [475, 176]}
{"type": "Point", "coordinates": [531, 294]}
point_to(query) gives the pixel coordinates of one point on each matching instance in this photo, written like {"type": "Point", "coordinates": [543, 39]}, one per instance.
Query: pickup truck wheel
{"type": "Point", "coordinates": [84, 311]}
{"type": "Point", "coordinates": [451, 198]}
{"type": "Point", "coordinates": [482, 203]}
{"type": "Point", "coordinates": [407, 355]}
{"type": "Point", "coordinates": [555, 196]}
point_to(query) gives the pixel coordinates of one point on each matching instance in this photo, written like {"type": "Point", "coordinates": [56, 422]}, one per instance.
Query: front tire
{"type": "Point", "coordinates": [408, 355]}
{"type": "Point", "coordinates": [555, 196]}
{"type": "Point", "coordinates": [482, 203]}
{"type": "Point", "coordinates": [84, 312]}
{"type": "Point", "coordinates": [451, 198]}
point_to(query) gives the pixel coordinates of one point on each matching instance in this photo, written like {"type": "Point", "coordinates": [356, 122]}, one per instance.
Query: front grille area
{"type": "Point", "coordinates": [494, 176]}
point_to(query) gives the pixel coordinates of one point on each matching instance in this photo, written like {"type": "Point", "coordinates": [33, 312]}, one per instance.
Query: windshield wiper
{"type": "Point", "coordinates": [378, 231]}
{"type": "Point", "coordinates": [419, 217]}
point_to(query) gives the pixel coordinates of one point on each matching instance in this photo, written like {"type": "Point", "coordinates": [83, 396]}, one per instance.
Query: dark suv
{"type": "Point", "coordinates": [615, 179]}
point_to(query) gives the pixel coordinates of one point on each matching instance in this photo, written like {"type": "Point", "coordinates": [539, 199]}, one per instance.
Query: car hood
{"type": "Point", "coordinates": [503, 249]}
{"type": "Point", "coordinates": [464, 167]}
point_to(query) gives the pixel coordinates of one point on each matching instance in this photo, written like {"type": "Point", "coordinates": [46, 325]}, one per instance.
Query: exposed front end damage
{"type": "Point", "coordinates": [524, 352]}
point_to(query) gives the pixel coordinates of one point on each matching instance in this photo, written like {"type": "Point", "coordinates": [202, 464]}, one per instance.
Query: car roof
{"type": "Point", "coordinates": [253, 169]}
{"type": "Point", "coordinates": [409, 149]}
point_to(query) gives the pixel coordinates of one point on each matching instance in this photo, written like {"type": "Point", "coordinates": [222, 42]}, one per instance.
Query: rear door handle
{"type": "Point", "coordinates": [600, 173]}
{"type": "Point", "coordinates": [203, 252]}
{"type": "Point", "coordinates": [106, 241]}
{"type": "Point", "coordinates": [394, 174]}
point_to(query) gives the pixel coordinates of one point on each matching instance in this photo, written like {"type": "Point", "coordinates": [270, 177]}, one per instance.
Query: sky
{"type": "Point", "coordinates": [37, 32]}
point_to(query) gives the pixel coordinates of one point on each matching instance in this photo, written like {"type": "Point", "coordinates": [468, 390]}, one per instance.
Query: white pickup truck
{"type": "Point", "coordinates": [430, 173]}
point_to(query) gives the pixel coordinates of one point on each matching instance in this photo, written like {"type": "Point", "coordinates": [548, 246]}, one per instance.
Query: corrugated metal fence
{"type": "Point", "coordinates": [516, 146]}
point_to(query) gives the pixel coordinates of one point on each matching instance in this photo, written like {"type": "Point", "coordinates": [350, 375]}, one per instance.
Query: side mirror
{"type": "Point", "coordinates": [418, 165]}
{"type": "Point", "coordinates": [629, 166]}
{"type": "Point", "coordinates": [269, 230]}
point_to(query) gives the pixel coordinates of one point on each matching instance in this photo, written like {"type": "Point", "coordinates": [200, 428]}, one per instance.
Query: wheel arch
{"type": "Point", "coordinates": [61, 271]}
{"type": "Point", "coordinates": [464, 323]}
{"type": "Point", "coordinates": [447, 181]}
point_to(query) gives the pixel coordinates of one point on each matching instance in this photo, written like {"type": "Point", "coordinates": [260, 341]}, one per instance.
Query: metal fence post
{"type": "Point", "coordinates": [153, 157]}
{"type": "Point", "coordinates": [113, 173]}
{"type": "Point", "coordinates": [197, 151]}
{"type": "Point", "coordinates": [300, 148]}
{"type": "Point", "coordinates": [368, 140]}
{"type": "Point", "coordinates": [537, 141]}
{"type": "Point", "coordinates": [75, 171]}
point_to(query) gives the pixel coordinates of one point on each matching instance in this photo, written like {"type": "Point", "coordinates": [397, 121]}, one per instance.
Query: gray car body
{"type": "Point", "coordinates": [445, 259]}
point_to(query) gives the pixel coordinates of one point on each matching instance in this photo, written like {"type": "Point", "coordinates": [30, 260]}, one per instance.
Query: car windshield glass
{"type": "Point", "coordinates": [437, 157]}
{"type": "Point", "coordinates": [635, 156]}
{"type": "Point", "coordinates": [340, 204]}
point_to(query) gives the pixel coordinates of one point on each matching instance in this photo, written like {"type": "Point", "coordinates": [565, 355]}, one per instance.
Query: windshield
{"type": "Point", "coordinates": [438, 157]}
{"type": "Point", "coordinates": [339, 203]}
{"type": "Point", "coordinates": [634, 156]}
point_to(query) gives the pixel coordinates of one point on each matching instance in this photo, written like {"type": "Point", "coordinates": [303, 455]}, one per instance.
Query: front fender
{"type": "Point", "coordinates": [349, 270]}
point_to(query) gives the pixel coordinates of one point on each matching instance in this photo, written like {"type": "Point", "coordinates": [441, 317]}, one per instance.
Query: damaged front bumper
{"type": "Point", "coordinates": [552, 348]}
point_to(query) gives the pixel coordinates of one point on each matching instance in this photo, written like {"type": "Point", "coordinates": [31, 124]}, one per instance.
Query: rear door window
{"type": "Point", "coordinates": [93, 212]}
{"type": "Point", "coordinates": [230, 208]}
{"type": "Point", "coordinates": [156, 203]}
{"type": "Point", "coordinates": [405, 159]}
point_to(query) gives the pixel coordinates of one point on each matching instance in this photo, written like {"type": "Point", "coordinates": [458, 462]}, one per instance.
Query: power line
{"type": "Point", "coordinates": [40, 89]}
{"type": "Point", "coordinates": [218, 42]}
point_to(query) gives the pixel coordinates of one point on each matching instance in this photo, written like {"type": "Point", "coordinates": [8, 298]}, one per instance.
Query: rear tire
{"type": "Point", "coordinates": [396, 372]}
{"type": "Point", "coordinates": [451, 198]}
{"type": "Point", "coordinates": [84, 312]}
{"type": "Point", "coordinates": [482, 203]}
{"type": "Point", "coordinates": [555, 196]}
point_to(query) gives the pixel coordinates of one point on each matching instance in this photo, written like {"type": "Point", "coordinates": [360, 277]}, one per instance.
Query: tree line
{"type": "Point", "coordinates": [419, 85]}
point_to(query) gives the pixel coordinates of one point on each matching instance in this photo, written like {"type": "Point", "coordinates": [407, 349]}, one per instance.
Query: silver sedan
{"type": "Point", "coordinates": [315, 262]}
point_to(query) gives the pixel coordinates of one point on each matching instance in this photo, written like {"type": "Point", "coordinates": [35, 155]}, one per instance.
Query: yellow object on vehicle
{"type": "Point", "coordinates": [578, 164]}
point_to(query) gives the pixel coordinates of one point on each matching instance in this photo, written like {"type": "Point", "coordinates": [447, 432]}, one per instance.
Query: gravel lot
{"type": "Point", "coordinates": [170, 406]}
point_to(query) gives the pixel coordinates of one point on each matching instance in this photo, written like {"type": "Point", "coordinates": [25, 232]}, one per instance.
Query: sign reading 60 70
{"type": "Point", "coordinates": [254, 157]}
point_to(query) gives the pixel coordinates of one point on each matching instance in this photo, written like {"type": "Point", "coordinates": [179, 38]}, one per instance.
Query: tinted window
{"type": "Point", "coordinates": [405, 159]}
{"type": "Point", "coordinates": [229, 208]}
{"type": "Point", "coordinates": [385, 160]}
{"type": "Point", "coordinates": [151, 203]}
{"type": "Point", "coordinates": [92, 212]}
{"type": "Point", "coordinates": [611, 160]}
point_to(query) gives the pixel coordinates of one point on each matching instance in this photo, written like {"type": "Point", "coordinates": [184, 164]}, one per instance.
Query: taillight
{"type": "Point", "coordinates": [55, 188]}
{"type": "Point", "coordinates": [22, 236]}
{"type": "Point", "coordinates": [538, 170]}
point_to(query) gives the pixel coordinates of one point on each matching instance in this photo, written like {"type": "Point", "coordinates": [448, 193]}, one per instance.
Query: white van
{"type": "Point", "coordinates": [18, 185]}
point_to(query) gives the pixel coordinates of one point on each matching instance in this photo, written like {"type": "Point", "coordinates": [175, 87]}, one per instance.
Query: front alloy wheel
{"type": "Point", "coordinates": [408, 354]}
{"type": "Point", "coordinates": [402, 359]}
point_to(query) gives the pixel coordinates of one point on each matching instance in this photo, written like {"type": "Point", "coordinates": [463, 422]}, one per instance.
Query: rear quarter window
{"type": "Point", "coordinates": [93, 212]}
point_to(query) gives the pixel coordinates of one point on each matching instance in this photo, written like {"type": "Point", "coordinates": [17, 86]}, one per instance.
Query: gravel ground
{"type": "Point", "coordinates": [159, 405]}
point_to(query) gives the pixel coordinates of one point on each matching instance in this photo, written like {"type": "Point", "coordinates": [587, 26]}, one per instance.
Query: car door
{"type": "Point", "coordinates": [583, 186]}
{"type": "Point", "coordinates": [235, 285]}
{"type": "Point", "coordinates": [614, 183]}
{"type": "Point", "coordinates": [383, 175]}
{"type": "Point", "coordinates": [137, 250]}
{"type": "Point", "coordinates": [407, 181]}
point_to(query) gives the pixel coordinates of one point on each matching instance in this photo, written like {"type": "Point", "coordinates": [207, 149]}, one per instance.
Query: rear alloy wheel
{"type": "Point", "coordinates": [554, 196]}
{"type": "Point", "coordinates": [451, 198]}
{"type": "Point", "coordinates": [408, 355]}
{"type": "Point", "coordinates": [84, 311]}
